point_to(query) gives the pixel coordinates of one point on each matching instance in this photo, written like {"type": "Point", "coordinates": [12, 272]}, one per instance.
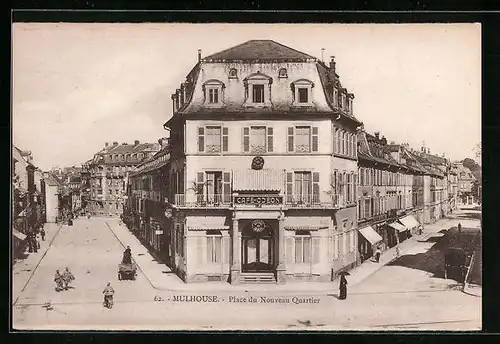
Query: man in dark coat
{"type": "Point", "coordinates": [127, 256]}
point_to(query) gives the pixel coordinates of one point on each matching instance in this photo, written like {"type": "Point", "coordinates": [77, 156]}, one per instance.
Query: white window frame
{"type": "Point", "coordinates": [302, 84]}
{"type": "Point", "coordinates": [212, 85]}
{"type": "Point", "coordinates": [258, 79]}
{"type": "Point", "coordinates": [212, 257]}
{"type": "Point", "coordinates": [303, 260]}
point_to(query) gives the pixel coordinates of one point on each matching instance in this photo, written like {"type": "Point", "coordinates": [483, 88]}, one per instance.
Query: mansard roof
{"type": "Point", "coordinates": [262, 50]}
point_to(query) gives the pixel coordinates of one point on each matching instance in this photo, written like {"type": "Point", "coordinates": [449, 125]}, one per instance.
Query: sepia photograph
{"type": "Point", "coordinates": [277, 177]}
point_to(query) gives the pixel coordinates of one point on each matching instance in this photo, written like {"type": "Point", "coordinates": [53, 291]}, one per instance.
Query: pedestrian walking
{"type": "Point", "coordinates": [59, 281]}
{"type": "Point", "coordinates": [459, 228]}
{"type": "Point", "coordinates": [378, 252]}
{"type": "Point", "coordinates": [67, 278]}
{"type": "Point", "coordinates": [108, 295]}
{"type": "Point", "coordinates": [398, 252]}
{"type": "Point", "coordinates": [343, 287]}
{"type": "Point", "coordinates": [42, 234]}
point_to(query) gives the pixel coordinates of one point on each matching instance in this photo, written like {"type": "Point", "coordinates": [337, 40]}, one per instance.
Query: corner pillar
{"type": "Point", "coordinates": [235, 257]}
{"type": "Point", "coordinates": [281, 268]}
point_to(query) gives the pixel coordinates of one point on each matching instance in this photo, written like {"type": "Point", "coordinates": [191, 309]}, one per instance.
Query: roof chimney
{"type": "Point", "coordinates": [322, 53]}
{"type": "Point", "coordinates": [106, 144]}
{"type": "Point", "coordinates": [428, 151]}
{"type": "Point", "coordinates": [377, 135]}
{"type": "Point", "coordinates": [115, 143]}
{"type": "Point", "coordinates": [199, 55]}
{"type": "Point", "coordinates": [332, 64]}
{"type": "Point", "coordinates": [136, 142]}
{"type": "Point", "coordinates": [393, 143]}
{"type": "Point", "coordinates": [384, 140]}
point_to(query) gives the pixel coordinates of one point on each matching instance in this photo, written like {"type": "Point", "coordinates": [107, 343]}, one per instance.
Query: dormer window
{"type": "Point", "coordinates": [302, 92]}
{"type": "Point", "coordinates": [283, 73]}
{"type": "Point", "coordinates": [214, 93]}
{"type": "Point", "coordinates": [258, 90]}
{"type": "Point", "coordinates": [233, 73]}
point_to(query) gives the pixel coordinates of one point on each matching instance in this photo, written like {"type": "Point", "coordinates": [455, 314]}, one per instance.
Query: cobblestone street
{"type": "Point", "coordinates": [393, 297]}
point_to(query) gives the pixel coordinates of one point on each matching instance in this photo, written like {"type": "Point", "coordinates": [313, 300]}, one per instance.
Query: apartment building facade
{"type": "Point", "coordinates": [108, 171]}
{"type": "Point", "coordinates": [263, 168]}
{"type": "Point", "coordinates": [389, 195]}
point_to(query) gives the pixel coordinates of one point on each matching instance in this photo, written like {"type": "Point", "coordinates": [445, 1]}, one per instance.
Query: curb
{"type": "Point", "coordinates": [36, 266]}
{"type": "Point", "coordinates": [309, 291]}
{"type": "Point", "coordinates": [138, 265]}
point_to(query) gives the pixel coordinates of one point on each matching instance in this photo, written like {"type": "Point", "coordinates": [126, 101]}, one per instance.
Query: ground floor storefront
{"type": "Point", "coordinates": [262, 245]}
{"type": "Point", "coordinates": [385, 234]}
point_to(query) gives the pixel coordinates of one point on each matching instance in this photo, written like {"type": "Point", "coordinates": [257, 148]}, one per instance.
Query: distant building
{"type": "Point", "coordinates": [52, 197]}
{"type": "Point", "coordinates": [108, 171]}
{"type": "Point", "coordinates": [466, 182]}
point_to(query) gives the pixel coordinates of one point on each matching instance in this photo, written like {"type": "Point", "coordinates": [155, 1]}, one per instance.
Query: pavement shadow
{"type": "Point", "coordinates": [476, 216]}
{"type": "Point", "coordinates": [432, 261]}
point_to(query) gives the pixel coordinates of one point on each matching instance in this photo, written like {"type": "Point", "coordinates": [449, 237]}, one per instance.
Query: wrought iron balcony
{"type": "Point", "coordinates": [202, 201]}
{"type": "Point", "coordinates": [314, 201]}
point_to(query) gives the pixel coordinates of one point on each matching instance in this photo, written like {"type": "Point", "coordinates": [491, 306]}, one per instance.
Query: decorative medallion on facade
{"type": "Point", "coordinates": [258, 226]}
{"type": "Point", "coordinates": [258, 163]}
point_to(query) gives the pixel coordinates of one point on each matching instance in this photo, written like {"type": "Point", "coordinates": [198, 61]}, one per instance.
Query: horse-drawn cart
{"type": "Point", "coordinates": [127, 271]}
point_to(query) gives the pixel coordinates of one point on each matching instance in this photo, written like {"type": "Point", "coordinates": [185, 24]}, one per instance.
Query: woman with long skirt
{"type": "Point", "coordinates": [343, 288]}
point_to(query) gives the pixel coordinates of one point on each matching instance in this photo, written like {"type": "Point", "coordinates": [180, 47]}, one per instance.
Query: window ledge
{"type": "Point", "coordinates": [303, 105]}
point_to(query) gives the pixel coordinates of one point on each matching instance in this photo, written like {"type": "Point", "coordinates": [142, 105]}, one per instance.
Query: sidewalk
{"type": "Point", "coordinates": [162, 278]}
{"type": "Point", "coordinates": [24, 268]}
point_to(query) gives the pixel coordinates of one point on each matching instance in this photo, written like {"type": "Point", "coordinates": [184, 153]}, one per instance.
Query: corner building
{"type": "Point", "coordinates": [263, 168]}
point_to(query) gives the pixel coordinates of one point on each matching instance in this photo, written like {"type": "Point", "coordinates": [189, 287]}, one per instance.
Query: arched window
{"type": "Point", "coordinates": [282, 73]}
{"type": "Point", "coordinates": [233, 73]}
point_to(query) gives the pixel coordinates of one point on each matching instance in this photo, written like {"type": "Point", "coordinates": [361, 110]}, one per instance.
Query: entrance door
{"type": "Point", "coordinates": [257, 250]}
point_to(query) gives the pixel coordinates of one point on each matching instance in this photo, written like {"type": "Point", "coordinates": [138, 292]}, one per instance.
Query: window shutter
{"type": "Point", "coordinates": [334, 146]}
{"type": "Point", "coordinates": [270, 140]}
{"type": "Point", "coordinates": [200, 183]}
{"type": "Point", "coordinates": [289, 186]}
{"type": "Point", "coordinates": [290, 144]}
{"type": "Point", "coordinates": [226, 187]}
{"type": "Point", "coordinates": [335, 182]}
{"type": "Point", "coordinates": [225, 139]}
{"type": "Point", "coordinates": [226, 243]}
{"type": "Point", "coordinates": [335, 246]}
{"type": "Point", "coordinates": [315, 187]}
{"type": "Point", "coordinates": [201, 139]}
{"type": "Point", "coordinates": [246, 139]}
{"type": "Point", "coordinates": [315, 250]}
{"type": "Point", "coordinates": [315, 139]}
{"type": "Point", "coordinates": [289, 250]}
{"type": "Point", "coordinates": [355, 186]}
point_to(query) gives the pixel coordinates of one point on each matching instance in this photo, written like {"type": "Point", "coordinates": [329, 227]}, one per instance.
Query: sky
{"type": "Point", "coordinates": [79, 85]}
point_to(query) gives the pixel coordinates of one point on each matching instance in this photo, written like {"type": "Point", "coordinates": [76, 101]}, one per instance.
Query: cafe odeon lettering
{"type": "Point", "coordinates": [258, 200]}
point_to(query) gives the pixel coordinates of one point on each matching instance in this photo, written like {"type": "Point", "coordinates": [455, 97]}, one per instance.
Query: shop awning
{"type": "Point", "coordinates": [370, 235]}
{"type": "Point", "coordinates": [206, 223]}
{"type": "Point", "coordinates": [306, 223]}
{"type": "Point", "coordinates": [258, 180]}
{"type": "Point", "coordinates": [409, 221]}
{"type": "Point", "coordinates": [18, 234]}
{"type": "Point", "coordinates": [397, 226]}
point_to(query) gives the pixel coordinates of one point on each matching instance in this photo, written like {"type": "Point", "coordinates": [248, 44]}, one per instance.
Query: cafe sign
{"type": "Point", "coordinates": [258, 200]}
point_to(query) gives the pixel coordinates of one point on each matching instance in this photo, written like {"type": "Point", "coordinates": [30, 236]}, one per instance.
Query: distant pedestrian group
{"type": "Point", "coordinates": [63, 280]}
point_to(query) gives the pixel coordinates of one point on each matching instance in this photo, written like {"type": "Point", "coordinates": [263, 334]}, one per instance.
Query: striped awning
{"type": "Point", "coordinates": [369, 234]}
{"type": "Point", "coordinates": [18, 234]}
{"type": "Point", "coordinates": [258, 180]}
{"type": "Point", "coordinates": [409, 221]}
{"type": "Point", "coordinates": [306, 223]}
{"type": "Point", "coordinates": [397, 226]}
{"type": "Point", "coordinates": [206, 223]}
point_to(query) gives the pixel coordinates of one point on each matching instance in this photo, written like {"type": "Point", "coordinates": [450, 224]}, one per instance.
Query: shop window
{"type": "Point", "coordinates": [214, 247]}
{"type": "Point", "coordinates": [303, 247]}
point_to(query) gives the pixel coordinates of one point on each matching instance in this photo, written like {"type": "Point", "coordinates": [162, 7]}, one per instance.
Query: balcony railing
{"type": "Point", "coordinates": [314, 201]}
{"type": "Point", "coordinates": [197, 201]}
